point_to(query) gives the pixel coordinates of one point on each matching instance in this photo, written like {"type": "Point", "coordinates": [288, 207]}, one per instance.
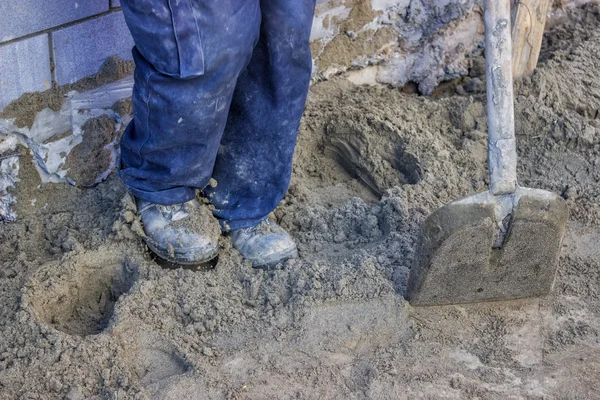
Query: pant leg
{"type": "Point", "coordinates": [188, 55]}
{"type": "Point", "coordinates": [254, 163]}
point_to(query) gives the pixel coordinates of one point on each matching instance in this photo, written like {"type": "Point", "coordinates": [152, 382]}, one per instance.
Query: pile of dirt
{"type": "Point", "coordinates": [568, 30]}
{"type": "Point", "coordinates": [87, 312]}
{"type": "Point", "coordinates": [93, 156]}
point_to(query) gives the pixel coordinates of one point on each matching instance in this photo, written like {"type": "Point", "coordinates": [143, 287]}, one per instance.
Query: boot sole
{"type": "Point", "coordinates": [276, 259]}
{"type": "Point", "coordinates": [188, 260]}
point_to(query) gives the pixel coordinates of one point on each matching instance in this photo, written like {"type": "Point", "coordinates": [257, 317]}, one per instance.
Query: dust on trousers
{"type": "Point", "coordinates": [220, 87]}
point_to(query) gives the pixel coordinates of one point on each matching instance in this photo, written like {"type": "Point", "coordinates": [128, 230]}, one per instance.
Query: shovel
{"type": "Point", "coordinates": [503, 243]}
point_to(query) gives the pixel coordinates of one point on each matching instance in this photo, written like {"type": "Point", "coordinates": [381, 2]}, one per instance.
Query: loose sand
{"type": "Point", "coordinates": [87, 313]}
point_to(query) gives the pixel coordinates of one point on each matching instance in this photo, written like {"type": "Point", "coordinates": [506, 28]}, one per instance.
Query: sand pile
{"type": "Point", "coordinates": [87, 313]}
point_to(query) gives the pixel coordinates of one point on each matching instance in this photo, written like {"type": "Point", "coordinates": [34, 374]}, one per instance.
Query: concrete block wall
{"type": "Point", "coordinates": [56, 41]}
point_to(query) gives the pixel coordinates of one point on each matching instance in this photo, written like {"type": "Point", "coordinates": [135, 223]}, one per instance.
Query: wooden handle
{"type": "Point", "coordinates": [502, 150]}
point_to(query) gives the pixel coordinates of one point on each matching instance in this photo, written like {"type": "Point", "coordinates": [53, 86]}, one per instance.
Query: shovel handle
{"type": "Point", "coordinates": [502, 149]}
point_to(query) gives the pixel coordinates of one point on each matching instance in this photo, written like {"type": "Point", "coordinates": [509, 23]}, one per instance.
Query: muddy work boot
{"type": "Point", "coordinates": [185, 234]}
{"type": "Point", "coordinates": [266, 244]}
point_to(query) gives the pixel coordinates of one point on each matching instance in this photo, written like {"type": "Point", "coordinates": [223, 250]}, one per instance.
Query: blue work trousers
{"type": "Point", "coordinates": [220, 86]}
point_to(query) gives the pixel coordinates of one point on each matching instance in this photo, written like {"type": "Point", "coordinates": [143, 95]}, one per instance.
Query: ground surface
{"type": "Point", "coordinates": [86, 313]}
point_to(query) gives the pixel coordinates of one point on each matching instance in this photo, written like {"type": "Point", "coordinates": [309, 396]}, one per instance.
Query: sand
{"type": "Point", "coordinates": [88, 313]}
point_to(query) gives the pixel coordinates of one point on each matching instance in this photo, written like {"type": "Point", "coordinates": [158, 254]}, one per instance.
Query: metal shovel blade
{"type": "Point", "coordinates": [459, 258]}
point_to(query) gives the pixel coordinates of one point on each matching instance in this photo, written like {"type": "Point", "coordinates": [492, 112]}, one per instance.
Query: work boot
{"type": "Point", "coordinates": [266, 244]}
{"type": "Point", "coordinates": [183, 234]}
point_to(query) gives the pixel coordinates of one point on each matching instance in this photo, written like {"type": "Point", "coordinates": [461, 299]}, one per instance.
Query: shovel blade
{"type": "Point", "coordinates": [455, 261]}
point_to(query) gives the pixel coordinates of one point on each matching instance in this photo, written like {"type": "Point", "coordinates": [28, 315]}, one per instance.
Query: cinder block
{"type": "Point", "coordinates": [23, 17]}
{"type": "Point", "coordinates": [24, 67]}
{"type": "Point", "coordinates": [81, 49]}
{"type": "Point", "coordinates": [115, 3]}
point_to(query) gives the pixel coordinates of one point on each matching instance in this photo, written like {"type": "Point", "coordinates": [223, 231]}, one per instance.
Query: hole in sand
{"type": "Point", "coordinates": [77, 295]}
{"type": "Point", "coordinates": [347, 155]}
{"type": "Point", "coordinates": [480, 290]}
{"type": "Point", "coordinates": [375, 172]}
{"type": "Point", "coordinates": [408, 165]}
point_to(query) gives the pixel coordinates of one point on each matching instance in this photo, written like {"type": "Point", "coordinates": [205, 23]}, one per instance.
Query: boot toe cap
{"type": "Point", "coordinates": [269, 250]}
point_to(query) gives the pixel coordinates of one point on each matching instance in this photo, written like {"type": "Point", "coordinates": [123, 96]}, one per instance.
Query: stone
{"type": "Point", "coordinates": [456, 261]}
{"type": "Point", "coordinates": [24, 17]}
{"type": "Point", "coordinates": [25, 68]}
{"type": "Point", "coordinates": [81, 49]}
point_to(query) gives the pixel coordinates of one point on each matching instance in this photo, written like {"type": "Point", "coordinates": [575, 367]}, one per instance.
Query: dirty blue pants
{"type": "Point", "coordinates": [220, 87]}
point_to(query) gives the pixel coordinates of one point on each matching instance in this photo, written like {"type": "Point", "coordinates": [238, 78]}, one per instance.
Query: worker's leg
{"type": "Point", "coordinates": [254, 163]}
{"type": "Point", "coordinates": [188, 56]}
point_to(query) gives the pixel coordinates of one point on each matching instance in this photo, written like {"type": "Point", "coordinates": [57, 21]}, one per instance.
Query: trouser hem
{"type": "Point", "coordinates": [165, 197]}
{"type": "Point", "coordinates": [228, 226]}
